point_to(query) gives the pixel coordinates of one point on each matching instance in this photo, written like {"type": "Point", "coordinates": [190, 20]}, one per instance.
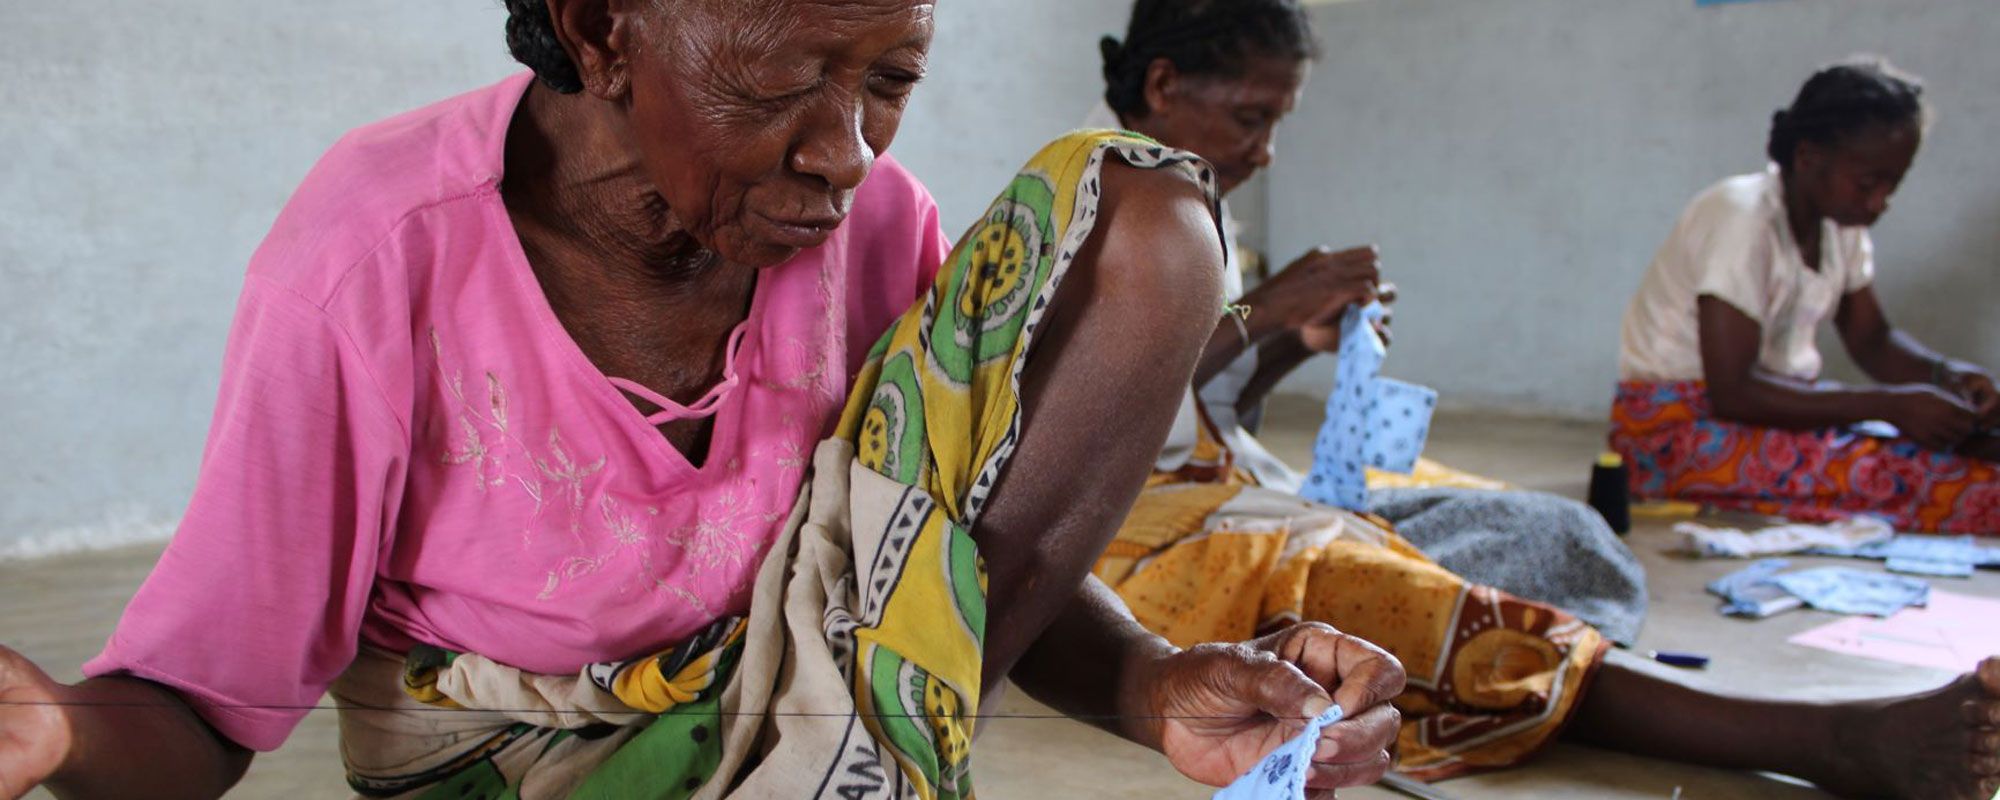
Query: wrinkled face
{"type": "Point", "coordinates": [1230, 121]}
{"type": "Point", "coordinates": [1850, 181]}
{"type": "Point", "coordinates": [757, 120]}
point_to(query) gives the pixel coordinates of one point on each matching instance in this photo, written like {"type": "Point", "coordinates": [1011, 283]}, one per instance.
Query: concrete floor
{"type": "Point", "coordinates": [59, 610]}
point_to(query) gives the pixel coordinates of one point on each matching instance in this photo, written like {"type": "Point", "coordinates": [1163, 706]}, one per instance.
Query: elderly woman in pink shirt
{"type": "Point", "coordinates": [534, 377]}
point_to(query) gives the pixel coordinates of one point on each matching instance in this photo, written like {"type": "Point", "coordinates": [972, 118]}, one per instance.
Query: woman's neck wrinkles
{"type": "Point", "coordinates": [598, 212]}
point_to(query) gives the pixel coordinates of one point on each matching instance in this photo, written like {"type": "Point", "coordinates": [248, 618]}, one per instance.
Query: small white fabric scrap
{"type": "Point", "coordinates": [1703, 541]}
{"type": "Point", "coordinates": [1282, 774]}
{"type": "Point", "coordinates": [1371, 421]}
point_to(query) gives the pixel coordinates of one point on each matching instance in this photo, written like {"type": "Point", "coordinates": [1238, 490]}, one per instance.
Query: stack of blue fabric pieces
{"type": "Point", "coordinates": [1763, 589]}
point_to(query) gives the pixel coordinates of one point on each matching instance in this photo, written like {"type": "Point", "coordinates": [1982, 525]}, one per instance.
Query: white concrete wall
{"type": "Point", "coordinates": [1520, 160]}
{"type": "Point", "coordinates": [149, 145]}
{"type": "Point", "coordinates": [1005, 77]}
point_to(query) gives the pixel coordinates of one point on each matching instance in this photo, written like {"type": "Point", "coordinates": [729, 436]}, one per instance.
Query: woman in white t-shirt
{"type": "Point", "coordinates": [1719, 398]}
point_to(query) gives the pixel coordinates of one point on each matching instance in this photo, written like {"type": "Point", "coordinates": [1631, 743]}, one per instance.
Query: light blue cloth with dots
{"type": "Point", "coordinates": [1282, 774]}
{"type": "Point", "coordinates": [1371, 421]}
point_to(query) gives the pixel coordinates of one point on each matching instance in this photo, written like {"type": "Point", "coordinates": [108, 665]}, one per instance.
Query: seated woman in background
{"type": "Point", "coordinates": [1505, 539]}
{"type": "Point", "coordinates": [524, 386]}
{"type": "Point", "coordinates": [1719, 400]}
{"type": "Point", "coordinates": [1211, 553]}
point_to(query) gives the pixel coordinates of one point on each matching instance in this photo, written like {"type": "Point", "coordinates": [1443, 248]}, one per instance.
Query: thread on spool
{"type": "Point", "coordinates": [1610, 491]}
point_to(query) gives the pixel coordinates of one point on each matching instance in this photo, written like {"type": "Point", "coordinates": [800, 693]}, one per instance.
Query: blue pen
{"type": "Point", "coordinates": [1678, 659]}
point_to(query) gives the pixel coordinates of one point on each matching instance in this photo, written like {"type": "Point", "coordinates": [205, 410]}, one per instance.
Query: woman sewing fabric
{"type": "Point", "coordinates": [1212, 553]}
{"type": "Point", "coordinates": [1476, 527]}
{"type": "Point", "coordinates": [1720, 399]}
{"type": "Point", "coordinates": [524, 386]}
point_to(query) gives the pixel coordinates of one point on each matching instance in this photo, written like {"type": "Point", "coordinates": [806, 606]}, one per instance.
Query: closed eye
{"type": "Point", "coordinates": [895, 83]}
{"type": "Point", "coordinates": [791, 95]}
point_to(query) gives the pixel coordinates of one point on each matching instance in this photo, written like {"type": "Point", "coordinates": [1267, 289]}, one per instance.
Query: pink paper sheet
{"type": "Point", "coordinates": [1953, 633]}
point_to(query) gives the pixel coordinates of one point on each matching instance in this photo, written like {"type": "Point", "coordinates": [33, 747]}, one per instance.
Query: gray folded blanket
{"type": "Point", "coordinates": [1533, 545]}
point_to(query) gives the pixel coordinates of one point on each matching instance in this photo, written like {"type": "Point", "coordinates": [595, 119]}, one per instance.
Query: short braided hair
{"type": "Point", "coordinates": [1843, 99]}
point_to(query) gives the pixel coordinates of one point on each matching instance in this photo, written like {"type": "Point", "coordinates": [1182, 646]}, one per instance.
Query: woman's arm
{"type": "Point", "coordinates": [1124, 335]}
{"type": "Point", "coordinates": [1233, 334]}
{"type": "Point", "coordinates": [256, 605]}
{"type": "Point", "coordinates": [1886, 354]}
{"type": "Point", "coordinates": [1889, 355]}
{"type": "Point", "coordinates": [1275, 360]}
{"type": "Point", "coordinates": [1284, 353]}
{"type": "Point", "coordinates": [1096, 629]}
{"type": "Point", "coordinates": [1319, 283]}
{"type": "Point", "coordinates": [1741, 392]}
{"type": "Point", "coordinates": [55, 733]}
{"type": "Point", "coordinates": [1098, 398]}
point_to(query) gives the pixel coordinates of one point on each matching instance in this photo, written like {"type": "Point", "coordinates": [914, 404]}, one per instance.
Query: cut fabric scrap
{"type": "Point", "coordinates": [1957, 555]}
{"type": "Point", "coordinates": [1940, 569]}
{"type": "Point", "coordinates": [1854, 532]}
{"type": "Point", "coordinates": [1281, 775]}
{"type": "Point", "coordinates": [1845, 590]}
{"type": "Point", "coordinates": [1749, 592]}
{"type": "Point", "coordinates": [1371, 421]}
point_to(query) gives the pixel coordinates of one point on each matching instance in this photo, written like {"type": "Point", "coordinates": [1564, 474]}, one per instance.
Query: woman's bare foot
{"type": "Point", "coordinates": [1940, 745]}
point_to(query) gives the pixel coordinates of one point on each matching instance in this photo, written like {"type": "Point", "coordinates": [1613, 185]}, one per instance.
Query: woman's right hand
{"type": "Point", "coordinates": [1933, 417]}
{"type": "Point", "coordinates": [34, 731]}
{"type": "Point", "coordinates": [1319, 284]}
{"type": "Point", "coordinates": [1223, 707]}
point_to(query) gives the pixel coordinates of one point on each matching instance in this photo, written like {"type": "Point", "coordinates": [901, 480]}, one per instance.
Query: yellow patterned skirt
{"type": "Point", "coordinates": [1207, 555]}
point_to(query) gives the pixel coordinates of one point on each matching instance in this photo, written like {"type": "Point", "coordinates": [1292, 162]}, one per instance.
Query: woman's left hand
{"type": "Point", "coordinates": [1225, 706]}
{"type": "Point", "coordinates": [1977, 387]}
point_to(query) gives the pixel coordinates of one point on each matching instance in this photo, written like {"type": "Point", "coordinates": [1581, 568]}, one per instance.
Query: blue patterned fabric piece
{"type": "Point", "coordinates": [1851, 591]}
{"type": "Point", "coordinates": [1282, 774]}
{"type": "Point", "coordinates": [1941, 569]}
{"type": "Point", "coordinates": [1945, 555]}
{"type": "Point", "coordinates": [1371, 421]}
{"type": "Point", "coordinates": [1749, 592]}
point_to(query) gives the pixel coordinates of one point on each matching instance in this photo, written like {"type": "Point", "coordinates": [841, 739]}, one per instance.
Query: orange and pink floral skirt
{"type": "Point", "coordinates": [1676, 449]}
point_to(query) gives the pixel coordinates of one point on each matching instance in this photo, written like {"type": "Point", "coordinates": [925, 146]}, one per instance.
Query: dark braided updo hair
{"type": "Point", "coordinates": [1200, 37]}
{"type": "Point", "coordinates": [531, 37]}
{"type": "Point", "coordinates": [1843, 99]}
